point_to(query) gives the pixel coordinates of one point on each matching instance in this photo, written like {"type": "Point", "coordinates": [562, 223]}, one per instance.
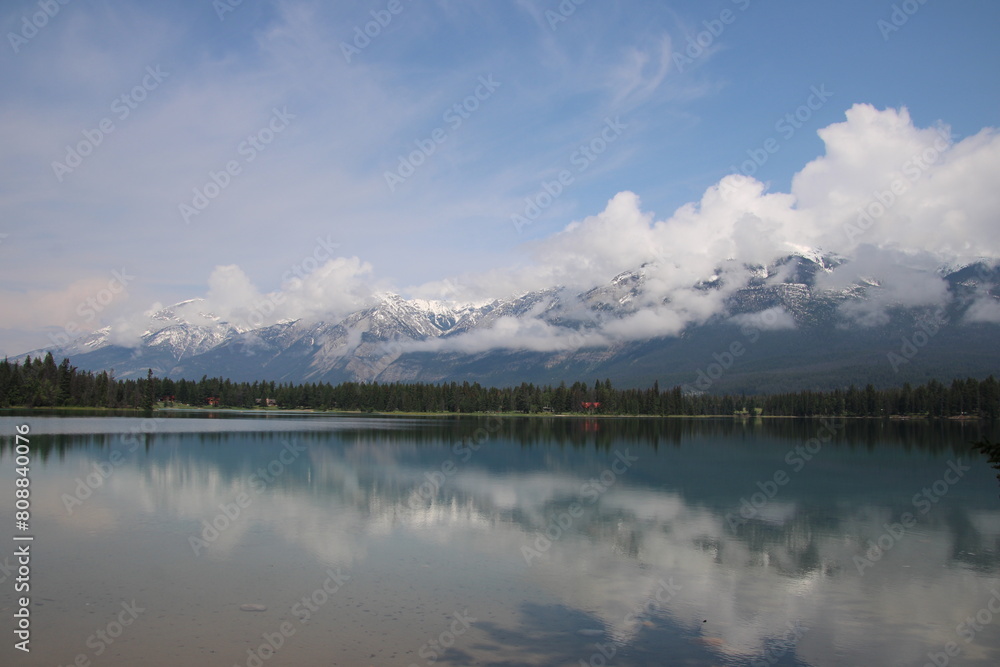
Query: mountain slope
{"type": "Point", "coordinates": [781, 329]}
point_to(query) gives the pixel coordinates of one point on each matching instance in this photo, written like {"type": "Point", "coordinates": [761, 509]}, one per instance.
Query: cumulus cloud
{"type": "Point", "coordinates": [128, 330]}
{"type": "Point", "coordinates": [885, 182]}
{"type": "Point", "coordinates": [337, 287]}
{"type": "Point", "coordinates": [231, 295]}
{"type": "Point", "coordinates": [892, 279]}
{"type": "Point", "coordinates": [896, 199]}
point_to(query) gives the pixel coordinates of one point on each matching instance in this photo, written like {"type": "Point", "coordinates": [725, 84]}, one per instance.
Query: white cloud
{"type": "Point", "coordinates": [230, 292]}
{"type": "Point", "coordinates": [338, 287]}
{"type": "Point", "coordinates": [984, 309]}
{"type": "Point", "coordinates": [513, 333]}
{"type": "Point", "coordinates": [942, 210]}
{"type": "Point", "coordinates": [771, 319]}
{"type": "Point", "coordinates": [921, 191]}
{"type": "Point", "coordinates": [897, 280]}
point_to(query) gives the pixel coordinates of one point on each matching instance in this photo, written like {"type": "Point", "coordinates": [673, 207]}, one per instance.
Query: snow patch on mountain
{"type": "Point", "coordinates": [395, 337]}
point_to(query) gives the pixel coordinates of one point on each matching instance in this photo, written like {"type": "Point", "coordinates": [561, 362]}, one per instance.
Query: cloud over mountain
{"type": "Point", "coordinates": [896, 200]}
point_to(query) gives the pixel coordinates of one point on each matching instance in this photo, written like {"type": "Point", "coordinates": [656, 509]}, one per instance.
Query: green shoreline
{"type": "Point", "coordinates": [562, 415]}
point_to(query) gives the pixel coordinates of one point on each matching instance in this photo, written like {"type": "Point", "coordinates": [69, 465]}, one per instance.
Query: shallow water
{"type": "Point", "coordinates": [459, 541]}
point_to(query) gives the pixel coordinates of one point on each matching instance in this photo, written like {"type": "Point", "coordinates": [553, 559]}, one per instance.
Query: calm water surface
{"type": "Point", "coordinates": [550, 541]}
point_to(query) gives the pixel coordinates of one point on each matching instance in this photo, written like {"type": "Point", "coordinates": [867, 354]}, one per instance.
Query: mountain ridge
{"type": "Point", "coordinates": [783, 318]}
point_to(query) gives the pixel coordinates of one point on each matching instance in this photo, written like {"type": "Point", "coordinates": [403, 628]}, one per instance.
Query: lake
{"type": "Point", "coordinates": [282, 539]}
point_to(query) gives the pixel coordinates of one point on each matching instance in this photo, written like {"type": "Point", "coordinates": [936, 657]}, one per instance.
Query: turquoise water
{"type": "Point", "coordinates": [461, 541]}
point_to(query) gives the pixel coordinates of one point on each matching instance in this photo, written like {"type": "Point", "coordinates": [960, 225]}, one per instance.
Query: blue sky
{"type": "Point", "coordinates": [619, 77]}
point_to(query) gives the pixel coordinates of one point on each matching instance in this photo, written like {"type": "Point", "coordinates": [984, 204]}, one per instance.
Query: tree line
{"type": "Point", "coordinates": [39, 382]}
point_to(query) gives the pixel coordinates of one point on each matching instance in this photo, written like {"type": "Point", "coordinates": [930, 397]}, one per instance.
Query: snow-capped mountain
{"type": "Point", "coordinates": [559, 334]}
